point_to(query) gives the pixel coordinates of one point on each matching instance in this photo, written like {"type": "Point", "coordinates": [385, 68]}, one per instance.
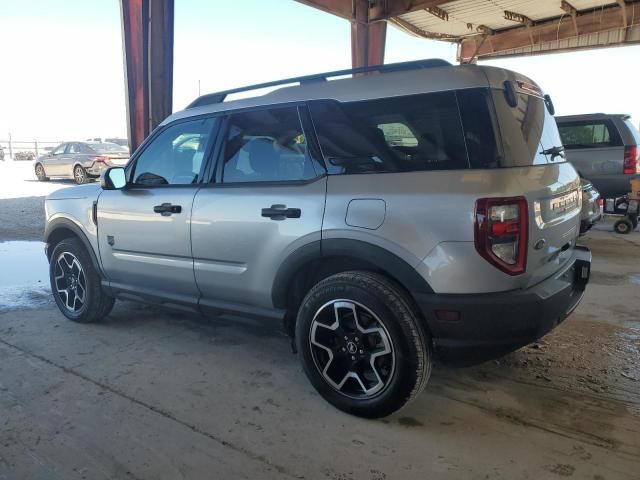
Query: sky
{"type": "Point", "coordinates": [61, 66]}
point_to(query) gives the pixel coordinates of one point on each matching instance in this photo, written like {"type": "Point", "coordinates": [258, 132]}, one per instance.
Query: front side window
{"type": "Point", "coordinates": [591, 134]}
{"type": "Point", "coordinates": [266, 145]}
{"type": "Point", "coordinates": [59, 150]}
{"type": "Point", "coordinates": [73, 148]}
{"type": "Point", "coordinates": [175, 156]}
{"type": "Point", "coordinates": [417, 132]}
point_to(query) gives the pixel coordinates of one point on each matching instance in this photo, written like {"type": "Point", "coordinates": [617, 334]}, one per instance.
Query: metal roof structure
{"type": "Point", "coordinates": [492, 28]}
{"type": "Point", "coordinates": [480, 28]}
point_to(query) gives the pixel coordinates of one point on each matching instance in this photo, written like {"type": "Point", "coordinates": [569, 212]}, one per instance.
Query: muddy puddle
{"type": "Point", "coordinates": [24, 276]}
{"type": "Point", "coordinates": [579, 356]}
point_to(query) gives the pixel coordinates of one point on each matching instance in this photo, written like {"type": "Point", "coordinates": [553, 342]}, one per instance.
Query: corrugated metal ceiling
{"type": "Point", "coordinates": [464, 16]}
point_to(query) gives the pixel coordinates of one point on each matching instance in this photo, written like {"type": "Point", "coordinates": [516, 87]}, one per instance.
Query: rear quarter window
{"type": "Point", "coordinates": [399, 134]}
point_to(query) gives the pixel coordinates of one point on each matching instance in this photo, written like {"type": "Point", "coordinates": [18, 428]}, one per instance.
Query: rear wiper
{"type": "Point", "coordinates": [554, 152]}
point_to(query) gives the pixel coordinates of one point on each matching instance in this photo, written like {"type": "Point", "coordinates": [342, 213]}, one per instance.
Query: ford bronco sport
{"type": "Point", "coordinates": [413, 209]}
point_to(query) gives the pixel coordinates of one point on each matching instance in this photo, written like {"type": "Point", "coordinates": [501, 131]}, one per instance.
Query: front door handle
{"type": "Point", "coordinates": [280, 212]}
{"type": "Point", "coordinates": [167, 209]}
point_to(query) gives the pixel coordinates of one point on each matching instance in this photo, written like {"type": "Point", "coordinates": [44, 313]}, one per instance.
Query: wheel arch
{"type": "Point", "coordinates": [310, 264]}
{"type": "Point", "coordinates": [63, 228]}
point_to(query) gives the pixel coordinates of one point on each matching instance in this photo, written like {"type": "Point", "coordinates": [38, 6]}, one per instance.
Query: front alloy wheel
{"type": "Point", "coordinates": [70, 281]}
{"type": "Point", "coordinates": [75, 283]}
{"type": "Point", "coordinates": [40, 173]}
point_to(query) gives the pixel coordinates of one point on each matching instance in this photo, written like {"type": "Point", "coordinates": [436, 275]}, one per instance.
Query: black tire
{"type": "Point", "coordinates": [386, 308]}
{"type": "Point", "coordinates": [89, 307]}
{"type": "Point", "coordinates": [80, 175]}
{"type": "Point", "coordinates": [40, 173]}
{"type": "Point", "coordinates": [623, 226]}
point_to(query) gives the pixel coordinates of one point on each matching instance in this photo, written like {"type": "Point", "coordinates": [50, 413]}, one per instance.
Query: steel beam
{"type": "Point", "coordinates": [147, 34]}
{"type": "Point", "coordinates": [607, 19]}
{"type": "Point", "coordinates": [378, 9]}
{"type": "Point", "coordinates": [367, 39]}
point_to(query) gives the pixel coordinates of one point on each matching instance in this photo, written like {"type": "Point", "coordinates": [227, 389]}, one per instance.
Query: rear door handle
{"type": "Point", "coordinates": [167, 209]}
{"type": "Point", "coordinates": [280, 212]}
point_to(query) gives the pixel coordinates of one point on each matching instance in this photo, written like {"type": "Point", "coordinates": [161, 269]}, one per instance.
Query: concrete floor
{"type": "Point", "coordinates": [155, 394]}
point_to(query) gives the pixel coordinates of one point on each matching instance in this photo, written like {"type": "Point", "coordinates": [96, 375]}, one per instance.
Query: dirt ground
{"type": "Point", "coordinates": [157, 394]}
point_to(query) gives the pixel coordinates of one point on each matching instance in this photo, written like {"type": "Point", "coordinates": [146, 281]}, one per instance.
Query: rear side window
{"type": "Point", "coordinates": [266, 145]}
{"type": "Point", "coordinates": [73, 148]}
{"type": "Point", "coordinates": [84, 148]}
{"type": "Point", "coordinates": [589, 134]}
{"type": "Point", "coordinates": [400, 134]}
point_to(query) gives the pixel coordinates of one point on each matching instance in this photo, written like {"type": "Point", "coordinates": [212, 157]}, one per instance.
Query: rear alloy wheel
{"type": "Point", "coordinates": [363, 345]}
{"type": "Point", "coordinates": [75, 283]}
{"type": "Point", "coordinates": [80, 175]}
{"type": "Point", "coordinates": [40, 173]}
{"type": "Point", "coordinates": [352, 348]}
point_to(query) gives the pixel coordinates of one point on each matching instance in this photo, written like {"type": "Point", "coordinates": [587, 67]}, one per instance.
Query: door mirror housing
{"type": "Point", "coordinates": [113, 178]}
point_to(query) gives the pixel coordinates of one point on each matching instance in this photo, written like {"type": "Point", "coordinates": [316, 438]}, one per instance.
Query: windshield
{"type": "Point", "coordinates": [108, 148]}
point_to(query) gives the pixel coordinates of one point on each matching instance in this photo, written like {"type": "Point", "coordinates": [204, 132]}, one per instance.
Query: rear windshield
{"type": "Point", "coordinates": [408, 133]}
{"type": "Point", "coordinates": [108, 148]}
{"type": "Point", "coordinates": [633, 130]}
{"type": "Point", "coordinates": [527, 130]}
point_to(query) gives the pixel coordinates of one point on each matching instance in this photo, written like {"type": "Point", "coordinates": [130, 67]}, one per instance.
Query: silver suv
{"type": "Point", "coordinates": [605, 149]}
{"type": "Point", "coordinates": [423, 209]}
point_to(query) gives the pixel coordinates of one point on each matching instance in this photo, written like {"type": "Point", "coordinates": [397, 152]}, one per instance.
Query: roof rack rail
{"type": "Point", "coordinates": [219, 97]}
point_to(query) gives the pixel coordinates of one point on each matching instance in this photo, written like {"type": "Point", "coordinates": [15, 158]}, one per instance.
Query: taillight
{"type": "Point", "coordinates": [501, 233]}
{"type": "Point", "coordinates": [631, 160]}
{"type": "Point", "coordinates": [101, 159]}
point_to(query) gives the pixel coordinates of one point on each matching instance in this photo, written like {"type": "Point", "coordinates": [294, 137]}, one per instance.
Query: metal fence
{"type": "Point", "coordinates": [25, 149]}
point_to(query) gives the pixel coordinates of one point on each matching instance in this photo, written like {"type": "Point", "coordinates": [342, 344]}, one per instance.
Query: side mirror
{"type": "Point", "coordinates": [113, 178]}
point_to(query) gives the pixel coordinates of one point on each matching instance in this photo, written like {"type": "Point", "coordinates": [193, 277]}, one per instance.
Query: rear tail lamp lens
{"type": "Point", "coordinates": [631, 160]}
{"type": "Point", "coordinates": [501, 233]}
{"type": "Point", "coordinates": [101, 159]}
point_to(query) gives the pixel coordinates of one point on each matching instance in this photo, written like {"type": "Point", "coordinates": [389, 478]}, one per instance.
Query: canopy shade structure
{"type": "Point", "coordinates": [488, 28]}
{"type": "Point", "coordinates": [480, 28]}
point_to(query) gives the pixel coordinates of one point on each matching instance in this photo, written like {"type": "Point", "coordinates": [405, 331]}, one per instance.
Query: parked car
{"type": "Point", "coordinates": [82, 161]}
{"type": "Point", "coordinates": [302, 205]}
{"type": "Point", "coordinates": [591, 206]}
{"type": "Point", "coordinates": [603, 148]}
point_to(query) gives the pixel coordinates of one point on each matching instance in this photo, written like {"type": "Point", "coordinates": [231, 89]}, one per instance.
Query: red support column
{"type": "Point", "coordinates": [147, 34]}
{"type": "Point", "coordinates": [367, 39]}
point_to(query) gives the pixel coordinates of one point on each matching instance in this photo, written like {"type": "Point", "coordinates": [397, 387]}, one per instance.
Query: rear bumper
{"type": "Point", "coordinates": [491, 325]}
{"type": "Point", "coordinates": [612, 186]}
{"type": "Point", "coordinates": [95, 169]}
{"type": "Point", "coordinates": [587, 223]}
